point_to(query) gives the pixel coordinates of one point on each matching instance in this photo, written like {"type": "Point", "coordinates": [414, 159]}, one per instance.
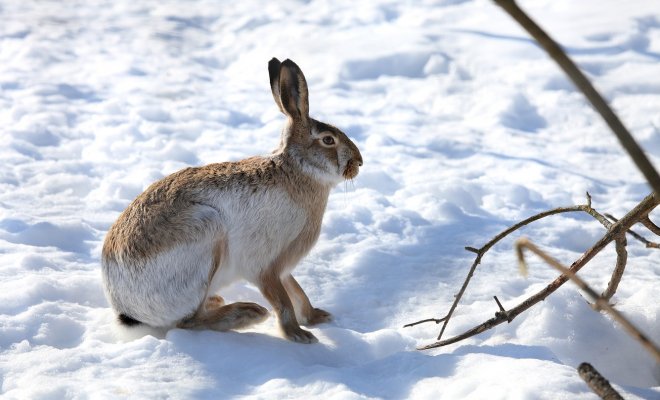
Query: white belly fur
{"type": "Point", "coordinates": [256, 233]}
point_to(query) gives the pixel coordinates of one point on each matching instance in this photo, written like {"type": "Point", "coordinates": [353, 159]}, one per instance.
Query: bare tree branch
{"type": "Point", "coordinates": [437, 321]}
{"type": "Point", "coordinates": [617, 274]}
{"type": "Point", "coordinates": [615, 231]}
{"type": "Point", "coordinates": [651, 226]}
{"type": "Point", "coordinates": [597, 383]}
{"type": "Point", "coordinates": [481, 251]}
{"type": "Point", "coordinates": [559, 56]}
{"type": "Point", "coordinates": [635, 215]}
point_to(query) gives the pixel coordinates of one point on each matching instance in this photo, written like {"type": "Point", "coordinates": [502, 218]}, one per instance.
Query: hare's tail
{"type": "Point", "coordinates": [128, 321]}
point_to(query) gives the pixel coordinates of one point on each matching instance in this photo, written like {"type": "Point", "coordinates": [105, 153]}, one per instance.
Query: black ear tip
{"type": "Point", "coordinates": [289, 63]}
{"type": "Point", "coordinates": [274, 66]}
{"type": "Point", "coordinates": [291, 66]}
{"type": "Point", "coordinates": [274, 69]}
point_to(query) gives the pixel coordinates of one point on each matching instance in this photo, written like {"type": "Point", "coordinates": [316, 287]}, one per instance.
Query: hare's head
{"type": "Point", "coordinates": [322, 150]}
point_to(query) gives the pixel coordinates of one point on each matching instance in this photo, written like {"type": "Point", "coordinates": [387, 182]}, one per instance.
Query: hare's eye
{"type": "Point", "coordinates": [328, 140]}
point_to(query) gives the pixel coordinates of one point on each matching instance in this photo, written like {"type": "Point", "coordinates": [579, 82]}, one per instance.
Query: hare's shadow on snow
{"type": "Point", "coordinates": [239, 362]}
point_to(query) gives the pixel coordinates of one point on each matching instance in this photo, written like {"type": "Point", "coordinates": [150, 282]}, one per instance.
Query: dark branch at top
{"type": "Point", "coordinates": [581, 81]}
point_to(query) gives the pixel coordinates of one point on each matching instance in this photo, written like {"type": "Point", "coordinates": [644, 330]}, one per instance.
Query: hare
{"type": "Point", "coordinates": [199, 229]}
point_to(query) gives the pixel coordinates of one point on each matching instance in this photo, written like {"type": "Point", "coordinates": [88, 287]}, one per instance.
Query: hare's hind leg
{"type": "Point", "coordinates": [305, 313]}
{"type": "Point", "coordinates": [214, 314]}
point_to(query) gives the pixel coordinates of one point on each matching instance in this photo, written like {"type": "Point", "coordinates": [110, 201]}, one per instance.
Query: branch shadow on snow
{"type": "Point", "coordinates": [638, 43]}
{"type": "Point", "coordinates": [387, 275]}
{"type": "Point", "coordinates": [510, 350]}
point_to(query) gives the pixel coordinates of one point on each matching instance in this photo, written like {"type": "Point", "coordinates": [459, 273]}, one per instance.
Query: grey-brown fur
{"type": "Point", "coordinates": [198, 229]}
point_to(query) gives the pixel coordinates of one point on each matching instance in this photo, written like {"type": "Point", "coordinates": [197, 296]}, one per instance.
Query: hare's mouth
{"type": "Point", "coordinates": [351, 170]}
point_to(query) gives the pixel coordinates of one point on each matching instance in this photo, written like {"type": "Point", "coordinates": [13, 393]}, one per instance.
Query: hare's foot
{"type": "Point", "coordinates": [227, 317]}
{"type": "Point", "coordinates": [317, 316]}
{"type": "Point", "coordinates": [299, 335]}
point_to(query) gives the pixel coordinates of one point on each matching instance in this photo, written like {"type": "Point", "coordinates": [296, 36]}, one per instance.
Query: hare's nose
{"type": "Point", "coordinates": [359, 161]}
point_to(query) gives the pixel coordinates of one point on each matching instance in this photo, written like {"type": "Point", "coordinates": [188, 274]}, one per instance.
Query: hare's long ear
{"type": "Point", "coordinates": [274, 75]}
{"type": "Point", "coordinates": [294, 97]}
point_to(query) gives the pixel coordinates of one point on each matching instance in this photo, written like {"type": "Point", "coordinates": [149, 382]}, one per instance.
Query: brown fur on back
{"type": "Point", "coordinates": [163, 214]}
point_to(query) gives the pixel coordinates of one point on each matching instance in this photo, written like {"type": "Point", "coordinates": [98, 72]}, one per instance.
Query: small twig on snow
{"type": "Point", "coordinates": [499, 304]}
{"type": "Point", "coordinates": [437, 321]}
{"type": "Point", "coordinates": [597, 382]}
{"type": "Point", "coordinates": [502, 310]}
{"type": "Point", "coordinates": [617, 274]}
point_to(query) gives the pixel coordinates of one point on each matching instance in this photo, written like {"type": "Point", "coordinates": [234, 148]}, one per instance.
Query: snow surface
{"type": "Point", "coordinates": [465, 128]}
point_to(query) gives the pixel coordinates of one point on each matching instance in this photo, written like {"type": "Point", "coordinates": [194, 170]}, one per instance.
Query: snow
{"type": "Point", "coordinates": [465, 128]}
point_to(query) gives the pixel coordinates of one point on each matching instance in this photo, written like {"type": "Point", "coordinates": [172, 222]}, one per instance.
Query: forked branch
{"type": "Point", "coordinates": [616, 230]}
{"type": "Point", "coordinates": [481, 251]}
{"type": "Point", "coordinates": [617, 274]}
{"type": "Point", "coordinates": [648, 243]}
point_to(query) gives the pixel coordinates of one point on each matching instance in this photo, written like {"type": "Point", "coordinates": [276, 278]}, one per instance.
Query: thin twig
{"type": "Point", "coordinates": [502, 310]}
{"type": "Point", "coordinates": [597, 382]}
{"type": "Point", "coordinates": [617, 274]}
{"type": "Point", "coordinates": [480, 252]}
{"type": "Point", "coordinates": [650, 225]}
{"type": "Point", "coordinates": [601, 303]}
{"type": "Point", "coordinates": [598, 216]}
{"type": "Point", "coordinates": [635, 215]}
{"type": "Point", "coordinates": [559, 56]}
{"type": "Point", "coordinates": [499, 304]}
{"type": "Point", "coordinates": [437, 321]}
{"type": "Point", "coordinates": [647, 243]}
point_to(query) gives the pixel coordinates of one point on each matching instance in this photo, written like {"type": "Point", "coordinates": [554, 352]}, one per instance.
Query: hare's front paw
{"type": "Point", "coordinates": [318, 316]}
{"type": "Point", "coordinates": [240, 315]}
{"type": "Point", "coordinates": [299, 335]}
